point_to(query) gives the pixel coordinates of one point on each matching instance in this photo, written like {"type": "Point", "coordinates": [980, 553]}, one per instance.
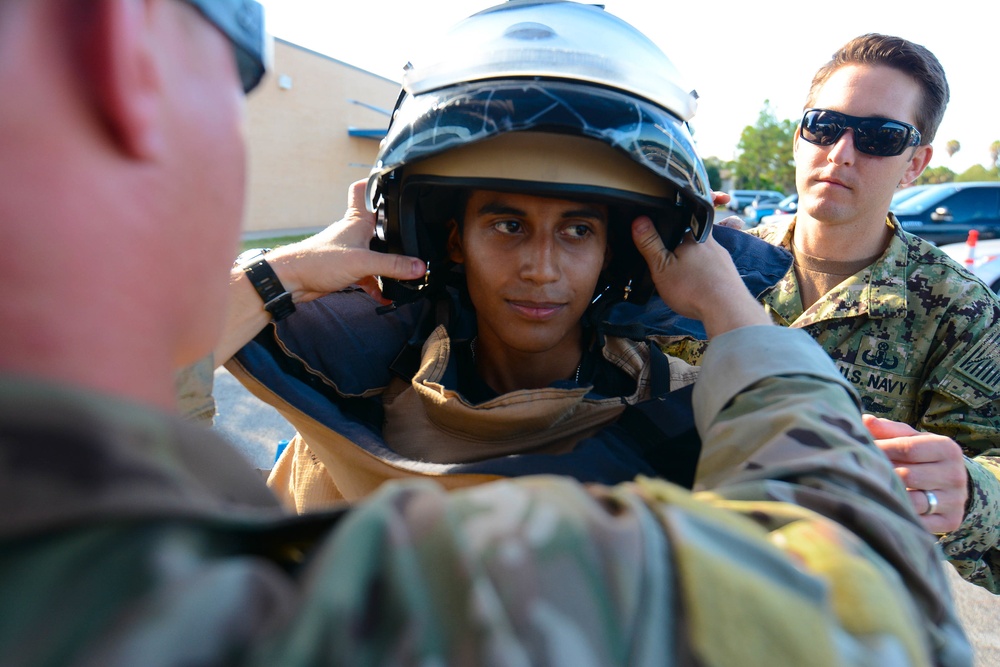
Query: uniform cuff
{"type": "Point", "coordinates": [740, 358]}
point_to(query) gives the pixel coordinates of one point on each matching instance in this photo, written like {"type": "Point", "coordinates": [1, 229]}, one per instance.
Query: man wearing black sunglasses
{"type": "Point", "coordinates": [912, 331]}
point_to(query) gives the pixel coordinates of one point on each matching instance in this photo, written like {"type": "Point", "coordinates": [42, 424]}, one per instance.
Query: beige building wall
{"type": "Point", "coordinates": [301, 155]}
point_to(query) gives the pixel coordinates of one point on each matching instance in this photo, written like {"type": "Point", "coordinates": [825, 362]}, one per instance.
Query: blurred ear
{"type": "Point", "coordinates": [918, 162]}
{"type": "Point", "coordinates": [455, 251]}
{"type": "Point", "coordinates": [120, 66]}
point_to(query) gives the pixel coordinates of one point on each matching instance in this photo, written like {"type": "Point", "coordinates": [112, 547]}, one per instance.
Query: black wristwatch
{"type": "Point", "coordinates": [277, 300]}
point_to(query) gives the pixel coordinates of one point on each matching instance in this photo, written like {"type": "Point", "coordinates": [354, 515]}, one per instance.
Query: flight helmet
{"type": "Point", "coordinates": [544, 97]}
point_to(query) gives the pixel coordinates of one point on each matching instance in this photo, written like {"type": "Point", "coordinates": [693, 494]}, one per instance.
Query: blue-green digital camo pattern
{"type": "Point", "coordinates": [918, 337]}
{"type": "Point", "coordinates": [131, 539]}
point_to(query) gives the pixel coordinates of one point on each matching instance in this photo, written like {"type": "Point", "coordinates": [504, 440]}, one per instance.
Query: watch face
{"type": "Point", "coordinates": [249, 255]}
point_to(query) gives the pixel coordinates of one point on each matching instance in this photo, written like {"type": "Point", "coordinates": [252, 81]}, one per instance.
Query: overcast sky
{"type": "Point", "coordinates": [735, 56]}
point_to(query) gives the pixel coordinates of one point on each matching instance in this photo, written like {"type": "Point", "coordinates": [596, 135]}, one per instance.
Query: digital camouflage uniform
{"type": "Point", "coordinates": [129, 538]}
{"type": "Point", "coordinates": [918, 337]}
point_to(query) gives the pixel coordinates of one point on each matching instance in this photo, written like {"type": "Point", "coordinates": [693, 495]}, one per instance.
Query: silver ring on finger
{"type": "Point", "coordinates": [932, 502]}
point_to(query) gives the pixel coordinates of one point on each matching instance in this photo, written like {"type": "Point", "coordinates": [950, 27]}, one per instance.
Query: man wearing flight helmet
{"type": "Point", "coordinates": [517, 178]}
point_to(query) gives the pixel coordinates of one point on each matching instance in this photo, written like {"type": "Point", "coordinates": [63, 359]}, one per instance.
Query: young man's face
{"type": "Point", "coordinates": [837, 184]}
{"type": "Point", "coordinates": [532, 265]}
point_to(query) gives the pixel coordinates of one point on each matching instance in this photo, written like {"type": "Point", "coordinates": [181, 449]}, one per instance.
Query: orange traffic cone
{"type": "Point", "coordinates": [971, 242]}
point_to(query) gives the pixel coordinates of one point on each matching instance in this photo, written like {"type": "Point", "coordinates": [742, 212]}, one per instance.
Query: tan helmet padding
{"type": "Point", "coordinates": [541, 157]}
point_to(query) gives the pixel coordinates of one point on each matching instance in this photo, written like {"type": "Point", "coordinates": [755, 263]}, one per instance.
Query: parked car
{"type": "Point", "coordinates": [944, 213]}
{"type": "Point", "coordinates": [740, 199]}
{"type": "Point", "coordinates": [985, 262]}
{"type": "Point", "coordinates": [754, 214]}
{"type": "Point", "coordinates": [902, 195]}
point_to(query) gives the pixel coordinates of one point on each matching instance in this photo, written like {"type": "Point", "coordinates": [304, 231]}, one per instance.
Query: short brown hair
{"type": "Point", "coordinates": [912, 59]}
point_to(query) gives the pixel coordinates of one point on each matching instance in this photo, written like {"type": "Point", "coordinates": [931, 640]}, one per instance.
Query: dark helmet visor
{"type": "Point", "coordinates": [432, 123]}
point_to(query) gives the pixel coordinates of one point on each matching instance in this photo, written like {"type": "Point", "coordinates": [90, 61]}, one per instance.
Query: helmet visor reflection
{"type": "Point", "coordinates": [436, 122]}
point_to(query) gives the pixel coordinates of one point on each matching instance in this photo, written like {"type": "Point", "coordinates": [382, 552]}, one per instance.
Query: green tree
{"type": "Point", "coordinates": [978, 172]}
{"type": "Point", "coordinates": [765, 160]}
{"type": "Point", "coordinates": [714, 166]}
{"type": "Point", "coordinates": [935, 175]}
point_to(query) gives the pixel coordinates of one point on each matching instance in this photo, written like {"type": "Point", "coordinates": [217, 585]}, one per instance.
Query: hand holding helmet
{"type": "Point", "coordinates": [698, 280]}
{"type": "Point", "coordinates": [339, 256]}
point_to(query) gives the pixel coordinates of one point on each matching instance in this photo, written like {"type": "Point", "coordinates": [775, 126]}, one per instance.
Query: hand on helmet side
{"type": "Point", "coordinates": [339, 256]}
{"type": "Point", "coordinates": [698, 280]}
{"type": "Point", "coordinates": [335, 258]}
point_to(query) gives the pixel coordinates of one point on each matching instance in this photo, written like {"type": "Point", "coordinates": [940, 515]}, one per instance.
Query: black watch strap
{"type": "Point", "coordinates": [277, 300]}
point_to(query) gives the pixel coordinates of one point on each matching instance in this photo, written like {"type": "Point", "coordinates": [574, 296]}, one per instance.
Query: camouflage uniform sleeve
{"type": "Point", "coordinates": [963, 396]}
{"type": "Point", "coordinates": [974, 549]}
{"type": "Point", "coordinates": [803, 550]}
{"type": "Point", "coordinates": [687, 348]}
{"type": "Point", "coordinates": [965, 405]}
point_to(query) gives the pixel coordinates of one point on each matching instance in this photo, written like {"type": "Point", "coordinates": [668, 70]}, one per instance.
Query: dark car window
{"type": "Point", "coordinates": [922, 200]}
{"type": "Point", "coordinates": [973, 204]}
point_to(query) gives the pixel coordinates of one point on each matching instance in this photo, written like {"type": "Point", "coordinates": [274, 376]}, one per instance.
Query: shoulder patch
{"type": "Point", "coordinates": [981, 366]}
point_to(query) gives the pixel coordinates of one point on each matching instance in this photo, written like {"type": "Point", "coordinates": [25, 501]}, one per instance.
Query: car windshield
{"type": "Point", "coordinates": [788, 201]}
{"type": "Point", "coordinates": [924, 200]}
{"type": "Point", "coordinates": [902, 195]}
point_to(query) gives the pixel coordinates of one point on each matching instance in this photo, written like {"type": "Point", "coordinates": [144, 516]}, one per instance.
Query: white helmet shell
{"type": "Point", "coordinates": [552, 39]}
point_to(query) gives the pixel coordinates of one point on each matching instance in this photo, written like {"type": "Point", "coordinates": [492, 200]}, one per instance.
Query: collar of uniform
{"type": "Point", "coordinates": [878, 291]}
{"type": "Point", "coordinates": [782, 299]}
{"type": "Point", "coordinates": [430, 422]}
{"type": "Point", "coordinates": [886, 290]}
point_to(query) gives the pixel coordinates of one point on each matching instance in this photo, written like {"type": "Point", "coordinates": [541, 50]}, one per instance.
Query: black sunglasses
{"type": "Point", "coordinates": [883, 137]}
{"type": "Point", "coordinates": [242, 22]}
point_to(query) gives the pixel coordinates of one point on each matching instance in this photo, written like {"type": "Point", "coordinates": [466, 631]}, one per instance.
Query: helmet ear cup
{"type": "Point", "coordinates": [626, 269]}
{"type": "Point", "coordinates": [413, 220]}
{"type": "Point", "coordinates": [627, 276]}
{"type": "Point", "coordinates": [389, 239]}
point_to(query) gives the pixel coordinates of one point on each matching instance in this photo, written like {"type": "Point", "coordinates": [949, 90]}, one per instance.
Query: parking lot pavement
{"type": "Point", "coordinates": [979, 611]}
{"type": "Point", "coordinates": [254, 427]}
